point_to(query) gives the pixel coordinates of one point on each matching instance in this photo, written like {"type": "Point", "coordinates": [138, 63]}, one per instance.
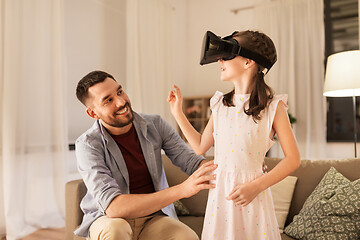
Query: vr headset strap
{"type": "Point", "coordinates": [262, 61]}
{"type": "Point", "coordinates": [253, 56]}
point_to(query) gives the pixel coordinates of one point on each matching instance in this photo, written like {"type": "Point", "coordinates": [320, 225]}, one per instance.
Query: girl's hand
{"type": "Point", "coordinates": [175, 99]}
{"type": "Point", "coordinates": [243, 194]}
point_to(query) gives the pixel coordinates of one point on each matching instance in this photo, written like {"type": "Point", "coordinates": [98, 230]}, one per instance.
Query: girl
{"type": "Point", "coordinates": [242, 127]}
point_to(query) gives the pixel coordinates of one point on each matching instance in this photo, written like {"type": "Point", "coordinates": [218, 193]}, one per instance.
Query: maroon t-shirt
{"type": "Point", "coordinates": [139, 175]}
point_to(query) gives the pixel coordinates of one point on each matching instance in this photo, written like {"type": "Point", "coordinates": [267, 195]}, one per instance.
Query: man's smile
{"type": "Point", "coordinates": [122, 111]}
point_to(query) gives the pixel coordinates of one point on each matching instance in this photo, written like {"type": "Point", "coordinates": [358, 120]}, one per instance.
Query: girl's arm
{"type": "Point", "coordinates": [200, 143]}
{"type": "Point", "coordinates": [243, 194]}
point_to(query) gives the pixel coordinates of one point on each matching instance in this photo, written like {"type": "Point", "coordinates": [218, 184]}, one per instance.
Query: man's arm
{"type": "Point", "coordinates": [138, 205]}
{"type": "Point", "coordinates": [180, 154]}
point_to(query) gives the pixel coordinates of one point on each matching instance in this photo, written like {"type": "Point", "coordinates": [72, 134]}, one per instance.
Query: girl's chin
{"type": "Point", "coordinates": [224, 78]}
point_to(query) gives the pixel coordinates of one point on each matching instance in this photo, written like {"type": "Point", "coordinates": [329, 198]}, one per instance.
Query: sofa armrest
{"type": "Point", "coordinates": [74, 192]}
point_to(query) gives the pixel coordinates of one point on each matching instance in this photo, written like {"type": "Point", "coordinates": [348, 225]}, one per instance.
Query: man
{"type": "Point", "coordinates": [119, 159]}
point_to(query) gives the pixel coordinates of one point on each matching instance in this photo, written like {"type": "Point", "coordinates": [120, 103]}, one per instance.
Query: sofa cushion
{"type": "Point", "coordinates": [309, 175]}
{"type": "Point", "coordinates": [195, 223]}
{"type": "Point", "coordinates": [181, 209]}
{"type": "Point", "coordinates": [332, 211]}
{"type": "Point", "coordinates": [282, 194]}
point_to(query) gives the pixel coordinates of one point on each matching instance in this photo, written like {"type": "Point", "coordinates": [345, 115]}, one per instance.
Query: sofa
{"type": "Point", "coordinates": [309, 174]}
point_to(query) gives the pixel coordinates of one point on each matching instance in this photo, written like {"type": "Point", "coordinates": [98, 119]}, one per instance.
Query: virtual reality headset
{"type": "Point", "coordinates": [227, 48]}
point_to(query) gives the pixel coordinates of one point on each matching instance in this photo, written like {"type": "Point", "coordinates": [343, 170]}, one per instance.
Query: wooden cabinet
{"type": "Point", "coordinates": [197, 111]}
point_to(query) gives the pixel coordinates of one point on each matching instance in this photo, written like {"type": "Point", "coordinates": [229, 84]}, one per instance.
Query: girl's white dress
{"type": "Point", "coordinates": [240, 148]}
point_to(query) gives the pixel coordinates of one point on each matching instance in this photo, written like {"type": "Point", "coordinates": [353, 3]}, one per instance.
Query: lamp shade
{"type": "Point", "coordinates": [342, 77]}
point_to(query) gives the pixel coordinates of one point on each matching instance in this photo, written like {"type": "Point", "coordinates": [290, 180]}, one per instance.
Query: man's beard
{"type": "Point", "coordinates": [122, 123]}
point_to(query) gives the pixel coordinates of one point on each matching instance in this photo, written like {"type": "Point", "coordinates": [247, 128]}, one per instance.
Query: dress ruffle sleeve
{"type": "Point", "coordinates": [216, 99]}
{"type": "Point", "coordinates": [273, 106]}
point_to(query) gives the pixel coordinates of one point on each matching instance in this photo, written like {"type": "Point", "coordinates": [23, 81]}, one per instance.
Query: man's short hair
{"type": "Point", "coordinates": [88, 81]}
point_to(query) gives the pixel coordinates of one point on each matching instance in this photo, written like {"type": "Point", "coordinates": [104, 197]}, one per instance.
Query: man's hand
{"type": "Point", "coordinates": [199, 180]}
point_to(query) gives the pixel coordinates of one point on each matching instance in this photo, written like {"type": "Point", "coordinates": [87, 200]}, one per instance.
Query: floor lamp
{"type": "Point", "coordinates": [342, 79]}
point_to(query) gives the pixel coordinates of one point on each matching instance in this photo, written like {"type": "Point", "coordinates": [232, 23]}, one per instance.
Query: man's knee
{"type": "Point", "coordinates": [164, 228]}
{"type": "Point", "coordinates": [111, 229]}
{"type": "Point", "coordinates": [184, 234]}
{"type": "Point", "coordinates": [119, 229]}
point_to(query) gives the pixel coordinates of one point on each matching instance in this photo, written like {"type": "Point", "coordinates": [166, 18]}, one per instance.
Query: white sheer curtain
{"type": "Point", "coordinates": [148, 55]}
{"type": "Point", "coordinates": [297, 28]}
{"type": "Point", "coordinates": [32, 115]}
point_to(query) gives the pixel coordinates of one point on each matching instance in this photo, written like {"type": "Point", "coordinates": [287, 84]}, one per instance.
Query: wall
{"type": "Point", "coordinates": [204, 15]}
{"type": "Point", "coordinates": [191, 19]}
{"type": "Point", "coordinates": [216, 16]}
{"type": "Point", "coordinates": [180, 43]}
{"type": "Point", "coordinates": [94, 38]}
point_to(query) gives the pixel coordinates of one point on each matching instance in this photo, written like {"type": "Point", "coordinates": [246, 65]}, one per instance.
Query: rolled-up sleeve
{"type": "Point", "coordinates": [96, 175]}
{"type": "Point", "coordinates": [177, 150]}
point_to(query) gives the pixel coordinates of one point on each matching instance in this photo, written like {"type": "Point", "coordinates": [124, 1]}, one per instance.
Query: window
{"type": "Point", "coordinates": [341, 34]}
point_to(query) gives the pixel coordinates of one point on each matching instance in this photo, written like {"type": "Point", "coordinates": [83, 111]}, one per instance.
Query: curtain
{"type": "Point", "coordinates": [297, 29]}
{"type": "Point", "coordinates": [148, 55]}
{"type": "Point", "coordinates": [33, 126]}
{"type": "Point", "coordinates": [2, 217]}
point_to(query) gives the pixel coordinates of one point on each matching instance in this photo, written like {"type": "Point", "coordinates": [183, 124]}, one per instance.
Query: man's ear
{"type": "Point", "coordinates": [91, 113]}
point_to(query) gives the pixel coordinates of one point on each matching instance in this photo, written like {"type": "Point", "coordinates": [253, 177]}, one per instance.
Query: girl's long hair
{"type": "Point", "coordinates": [260, 93]}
